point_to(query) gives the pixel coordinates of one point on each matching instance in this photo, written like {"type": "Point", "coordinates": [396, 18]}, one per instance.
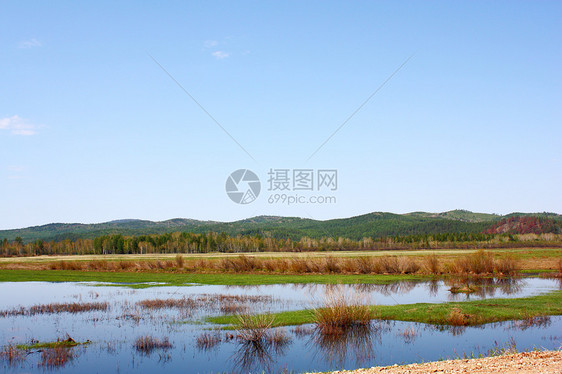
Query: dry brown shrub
{"type": "Point", "coordinates": [147, 344]}
{"type": "Point", "coordinates": [11, 355]}
{"type": "Point", "coordinates": [458, 318]}
{"type": "Point", "coordinates": [208, 340]}
{"type": "Point", "coordinates": [365, 264]}
{"type": "Point", "coordinates": [506, 266]}
{"type": "Point", "coordinates": [390, 265]}
{"type": "Point", "coordinates": [481, 262]}
{"type": "Point", "coordinates": [253, 328]}
{"type": "Point", "coordinates": [298, 265]}
{"type": "Point", "coordinates": [431, 264]}
{"type": "Point", "coordinates": [341, 311]}
{"type": "Point", "coordinates": [179, 261]}
{"type": "Point", "coordinates": [407, 265]}
{"type": "Point", "coordinates": [331, 265]}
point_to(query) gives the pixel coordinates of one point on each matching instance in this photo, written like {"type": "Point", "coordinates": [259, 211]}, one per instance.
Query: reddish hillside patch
{"type": "Point", "coordinates": [525, 225]}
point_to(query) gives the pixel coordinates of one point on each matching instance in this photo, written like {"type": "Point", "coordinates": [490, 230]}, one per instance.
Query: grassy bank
{"type": "Point", "coordinates": [57, 344]}
{"type": "Point", "coordinates": [464, 313]}
{"type": "Point", "coordinates": [179, 279]}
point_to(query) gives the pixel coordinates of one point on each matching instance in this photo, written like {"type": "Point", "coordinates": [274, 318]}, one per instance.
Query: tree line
{"type": "Point", "coordinates": [186, 242]}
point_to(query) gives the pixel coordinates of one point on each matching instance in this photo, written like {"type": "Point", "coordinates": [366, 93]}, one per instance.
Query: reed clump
{"type": "Point", "coordinates": [253, 328]}
{"type": "Point", "coordinates": [12, 355]}
{"type": "Point", "coordinates": [340, 311]}
{"type": "Point", "coordinates": [55, 308]}
{"type": "Point", "coordinates": [208, 340]}
{"type": "Point", "coordinates": [506, 266]}
{"type": "Point", "coordinates": [147, 344]}
{"type": "Point", "coordinates": [458, 318]}
{"type": "Point", "coordinates": [179, 261]}
{"type": "Point", "coordinates": [431, 264]}
{"type": "Point", "coordinates": [184, 303]}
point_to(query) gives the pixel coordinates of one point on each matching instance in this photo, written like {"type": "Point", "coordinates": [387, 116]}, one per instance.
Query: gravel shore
{"type": "Point", "coordinates": [544, 362]}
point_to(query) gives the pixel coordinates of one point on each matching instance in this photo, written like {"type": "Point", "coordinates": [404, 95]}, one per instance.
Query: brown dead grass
{"type": "Point", "coordinates": [368, 262]}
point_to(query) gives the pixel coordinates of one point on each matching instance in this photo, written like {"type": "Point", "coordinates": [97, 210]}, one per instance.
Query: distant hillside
{"type": "Point", "coordinates": [375, 225]}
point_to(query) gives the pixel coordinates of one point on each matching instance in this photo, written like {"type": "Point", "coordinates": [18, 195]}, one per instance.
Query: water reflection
{"type": "Point", "coordinates": [260, 355]}
{"type": "Point", "coordinates": [433, 287]}
{"type": "Point", "coordinates": [535, 322]}
{"type": "Point", "coordinates": [467, 288]}
{"type": "Point", "coordinates": [356, 342]}
{"type": "Point", "coordinates": [198, 349]}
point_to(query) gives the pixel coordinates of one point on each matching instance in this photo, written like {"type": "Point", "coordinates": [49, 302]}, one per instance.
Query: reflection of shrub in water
{"type": "Point", "coordinates": [531, 321]}
{"type": "Point", "coordinates": [409, 334]}
{"type": "Point", "coordinates": [258, 345]}
{"type": "Point", "coordinates": [303, 330]}
{"type": "Point", "coordinates": [233, 308]}
{"type": "Point", "coordinates": [484, 287]}
{"type": "Point", "coordinates": [355, 342]}
{"type": "Point", "coordinates": [11, 355]}
{"type": "Point", "coordinates": [56, 357]}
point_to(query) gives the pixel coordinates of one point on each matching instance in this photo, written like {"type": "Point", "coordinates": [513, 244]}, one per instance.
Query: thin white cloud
{"type": "Point", "coordinates": [210, 43]}
{"type": "Point", "coordinates": [31, 43]}
{"type": "Point", "coordinates": [16, 168]}
{"type": "Point", "coordinates": [17, 126]}
{"type": "Point", "coordinates": [220, 55]}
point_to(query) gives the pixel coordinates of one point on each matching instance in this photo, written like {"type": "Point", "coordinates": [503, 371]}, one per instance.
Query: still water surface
{"type": "Point", "coordinates": [113, 332]}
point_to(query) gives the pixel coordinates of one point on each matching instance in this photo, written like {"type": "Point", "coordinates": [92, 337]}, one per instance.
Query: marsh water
{"type": "Point", "coordinates": [138, 312]}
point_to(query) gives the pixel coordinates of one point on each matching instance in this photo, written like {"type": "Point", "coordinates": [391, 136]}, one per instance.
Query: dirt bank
{"type": "Point", "coordinates": [544, 362]}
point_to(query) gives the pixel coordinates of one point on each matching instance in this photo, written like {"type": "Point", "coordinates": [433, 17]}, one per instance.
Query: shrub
{"type": "Point", "coordinates": [340, 311]}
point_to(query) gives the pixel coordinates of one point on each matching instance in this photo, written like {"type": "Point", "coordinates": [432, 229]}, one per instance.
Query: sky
{"type": "Point", "coordinates": [114, 110]}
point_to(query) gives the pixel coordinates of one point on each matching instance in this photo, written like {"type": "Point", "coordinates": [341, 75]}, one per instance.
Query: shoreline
{"type": "Point", "coordinates": [545, 362]}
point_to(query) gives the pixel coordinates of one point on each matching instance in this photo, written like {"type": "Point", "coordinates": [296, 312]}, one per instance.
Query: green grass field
{"type": "Point", "coordinates": [476, 312]}
{"type": "Point", "coordinates": [183, 279]}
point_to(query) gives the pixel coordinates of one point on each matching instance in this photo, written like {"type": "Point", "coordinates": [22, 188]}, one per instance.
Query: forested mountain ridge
{"type": "Point", "coordinates": [374, 225]}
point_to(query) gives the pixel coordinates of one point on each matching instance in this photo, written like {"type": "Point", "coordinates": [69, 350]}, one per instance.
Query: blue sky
{"type": "Point", "coordinates": [92, 129]}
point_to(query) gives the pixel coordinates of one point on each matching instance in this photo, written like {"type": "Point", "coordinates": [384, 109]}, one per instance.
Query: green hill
{"type": "Point", "coordinates": [374, 225]}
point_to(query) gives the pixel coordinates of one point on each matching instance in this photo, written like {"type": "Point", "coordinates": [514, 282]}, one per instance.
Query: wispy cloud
{"type": "Point", "coordinates": [16, 172]}
{"type": "Point", "coordinates": [210, 43]}
{"type": "Point", "coordinates": [31, 43]}
{"type": "Point", "coordinates": [16, 168]}
{"type": "Point", "coordinates": [219, 55]}
{"type": "Point", "coordinates": [17, 126]}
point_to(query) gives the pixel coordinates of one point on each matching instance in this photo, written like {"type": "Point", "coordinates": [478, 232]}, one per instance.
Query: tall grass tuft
{"type": "Point", "coordinates": [431, 264]}
{"type": "Point", "coordinates": [253, 328]}
{"type": "Point", "coordinates": [179, 261]}
{"type": "Point", "coordinates": [340, 311]}
{"type": "Point", "coordinates": [506, 266]}
{"type": "Point", "coordinates": [457, 318]}
{"type": "Point", "coordinates": [482, 262]}
{"type": "Point", "coordinates": [208, 340]}
{"type": "Point", "coordinates": [11, 355]}
{"type": "Point", "coordinates": [147, 344]}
